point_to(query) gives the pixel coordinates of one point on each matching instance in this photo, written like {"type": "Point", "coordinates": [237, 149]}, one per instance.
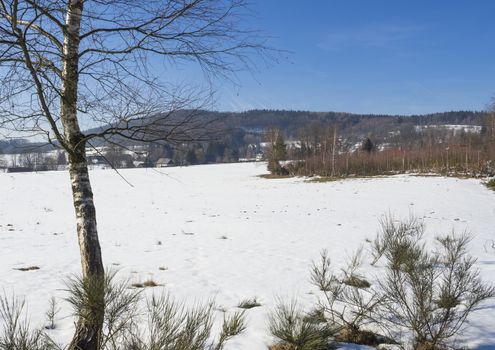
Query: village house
{"type": "Point", "coordinates": [164, 163]}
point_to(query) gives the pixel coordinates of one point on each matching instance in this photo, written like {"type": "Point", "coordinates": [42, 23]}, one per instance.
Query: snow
{"type": "Point", "coordinates": [476, 129]}
{"type": "Point", "coordinates": [178, 218]}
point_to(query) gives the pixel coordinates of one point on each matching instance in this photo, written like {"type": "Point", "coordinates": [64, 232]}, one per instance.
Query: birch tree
{"type": "Point", "coordinates": [70, 65]}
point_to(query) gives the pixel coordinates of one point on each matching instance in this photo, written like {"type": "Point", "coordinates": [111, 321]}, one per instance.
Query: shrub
{"type": "Point", "coordinates": [348, 301]}
{"type": "Point", "coordinates": [491, 184]}
{"type": "Point", "coordinates": [275, 168]}
{"type": "Point", "coordinates": [118, 307]}
{"type": "Point", "coordinates": [51, 313]}
{"type": "Point", "coordinates": [16, 333]}
{"type": "Point", "coordinates": [170, 325]}
{"type": "Point", "coordinates": [173, 327]}
{"type": "Point", "coordinates": [395, 232]}
{"type": "Point", "coordinates": [429, 294]}
{"type": "Point", "coordinates": [294, 331]}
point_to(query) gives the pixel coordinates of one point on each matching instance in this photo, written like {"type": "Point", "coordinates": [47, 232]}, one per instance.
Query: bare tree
{"type": "Point", "coordinates": [70, 65]}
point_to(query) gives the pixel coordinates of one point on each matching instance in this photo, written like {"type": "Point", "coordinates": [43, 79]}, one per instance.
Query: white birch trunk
{"type": "Point", "coordinates": [88, 331]}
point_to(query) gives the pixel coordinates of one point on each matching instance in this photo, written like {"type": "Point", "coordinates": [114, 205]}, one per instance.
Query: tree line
{"type": "Point", "coordinates": [325, 151]}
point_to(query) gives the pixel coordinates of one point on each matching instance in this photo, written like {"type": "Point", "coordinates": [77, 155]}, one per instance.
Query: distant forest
{"type": "Point", "coordinates": [243, 133]}
{"type": "Point", "coordinates": [290, 122]}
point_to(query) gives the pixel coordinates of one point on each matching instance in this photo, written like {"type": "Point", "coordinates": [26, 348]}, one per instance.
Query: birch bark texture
{"type": "Point", "coordinates": [91, 261]}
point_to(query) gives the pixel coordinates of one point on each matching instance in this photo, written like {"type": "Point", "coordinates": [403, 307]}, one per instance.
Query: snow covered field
{"type": "Point", "coordinates": [224, 233]}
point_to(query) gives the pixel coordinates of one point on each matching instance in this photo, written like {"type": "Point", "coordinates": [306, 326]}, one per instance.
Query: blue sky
{"type": "Point", "coordinates": [371, 56]}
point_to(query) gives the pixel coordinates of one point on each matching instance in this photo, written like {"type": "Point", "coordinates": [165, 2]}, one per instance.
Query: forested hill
{"type": "Point", "coordinates": [238, 124]}
{"type": "Point", "coordinates": [291, 121]}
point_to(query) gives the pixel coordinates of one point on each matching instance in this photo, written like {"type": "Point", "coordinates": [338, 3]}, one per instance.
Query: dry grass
{"type": "Point", "coordinates": [29, 268]}
{"type": "Point", "coordinates": [362, 337]}
{"type": "Point", "coordinates": [275, 176]}
{"type": "Point", "coordinates": [281, 346]}
{"type": "Point", "coordinates": [357, 282]}
{"type": "Point", "coordinates": [248, 303]}
{"type": "Point", "coordinates": [322, 179]}
{"type": "Point", "coordinates": [146, 284]}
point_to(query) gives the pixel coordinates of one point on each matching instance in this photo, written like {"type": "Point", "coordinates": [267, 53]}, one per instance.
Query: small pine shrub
{"type": "Point", "coordinates": [165, 324]}
{"type": "Point", "coordinates": [16, 333]}
{"type": "Point", "coordinates": [437, 290]}
{"type": "Point", "coordinates": [348, 301]}
{"type": "Point", "coordinates": [294, 331]}
{"type": "Point", "coordinates": [491, 184]}
{"type": "Point", "coordinates": [52, 313]}
{"type": "Point", "coordinates": [172, 326]}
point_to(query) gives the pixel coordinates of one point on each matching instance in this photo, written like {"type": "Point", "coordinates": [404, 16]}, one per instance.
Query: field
{"type": "Point", "coordinates": [221, 232]}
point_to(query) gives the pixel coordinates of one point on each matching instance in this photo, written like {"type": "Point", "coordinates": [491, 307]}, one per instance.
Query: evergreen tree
{"type": "Point", "coordinates": [278, 152]}
{"type": "Point", "coordinates": [368, 145]}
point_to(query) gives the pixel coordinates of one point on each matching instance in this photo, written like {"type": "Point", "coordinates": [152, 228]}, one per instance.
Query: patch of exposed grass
{"type": "Point", "coordinates": [357, 282]}
{"type": "Point", "coordinates": [362, 337]}
{"type": "Point", "coordinates": [150, 283]}
{"type": "Point", "coordinates": [274, 176]}
{"type": "Point", "coordinates": [317, 315]}
{"type": "Point", "coordinates": [282, 346]}
{"type": "Point", "coordinates": [321, 179]}
{"type": "Point", "coordinates": [249, 303]}
{"type": "Point", "coordinates": [29, 268]}
{"type": "Point", "coordinates": [145, 284]}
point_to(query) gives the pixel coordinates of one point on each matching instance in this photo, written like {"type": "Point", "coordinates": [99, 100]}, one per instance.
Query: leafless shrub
{"type": "Point", "coordinates": [443, 153]}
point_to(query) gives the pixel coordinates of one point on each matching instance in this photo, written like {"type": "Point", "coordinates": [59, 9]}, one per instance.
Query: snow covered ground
{"type": "Point", "coordinates": [224, 233]}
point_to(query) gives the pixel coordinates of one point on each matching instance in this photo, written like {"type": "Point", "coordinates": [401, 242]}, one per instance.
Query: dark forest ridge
{"type": "Point", "coordinates": [289, 121]}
